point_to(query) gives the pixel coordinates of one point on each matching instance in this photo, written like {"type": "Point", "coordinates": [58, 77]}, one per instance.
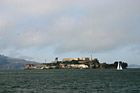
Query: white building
{"type": "Point", "coordinates": [77, 66]}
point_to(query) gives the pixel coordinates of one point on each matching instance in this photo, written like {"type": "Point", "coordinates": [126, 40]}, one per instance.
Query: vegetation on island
{"type": "Point", "coordinates": [77, 64]}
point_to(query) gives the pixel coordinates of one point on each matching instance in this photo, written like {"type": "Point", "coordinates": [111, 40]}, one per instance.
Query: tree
{"type": "Point", "coordinates": [96, 63]}
{"type": "Point", "coordinates": [123, 64]}
{"type": "Point", "coordinates": [95, 60]}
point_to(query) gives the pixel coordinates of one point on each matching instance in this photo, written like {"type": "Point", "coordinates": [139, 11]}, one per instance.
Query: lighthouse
{"type": "Point", "coordinates": [91, 58]}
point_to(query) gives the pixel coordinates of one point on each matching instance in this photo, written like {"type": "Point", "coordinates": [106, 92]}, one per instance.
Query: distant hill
{"type": "Point", "coordinates": [133, 66]}
{"type": "Point", "coordinates": [13, 63]}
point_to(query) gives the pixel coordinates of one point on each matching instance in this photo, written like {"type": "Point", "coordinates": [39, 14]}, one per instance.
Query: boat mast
{"type": "Point", "coordinates": [120, 67]}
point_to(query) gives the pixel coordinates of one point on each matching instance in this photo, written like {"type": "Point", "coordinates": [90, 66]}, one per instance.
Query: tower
{"type": "Point", "coordinates": [91, 58]}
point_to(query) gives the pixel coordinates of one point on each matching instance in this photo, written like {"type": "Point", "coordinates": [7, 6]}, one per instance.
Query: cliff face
{"type": "Point", "coordinates": [13, 63]}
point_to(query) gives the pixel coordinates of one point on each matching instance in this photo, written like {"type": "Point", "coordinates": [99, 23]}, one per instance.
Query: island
{"type": "Point", "coordinates": [77, 63]}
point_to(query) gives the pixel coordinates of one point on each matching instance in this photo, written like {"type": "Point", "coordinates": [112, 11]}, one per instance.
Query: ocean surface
{"type": "Point", "coordinates": [70, 81]}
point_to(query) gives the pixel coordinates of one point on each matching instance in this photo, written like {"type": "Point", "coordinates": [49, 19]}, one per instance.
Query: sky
{"type": "Point", "coordinates": [44, 29]}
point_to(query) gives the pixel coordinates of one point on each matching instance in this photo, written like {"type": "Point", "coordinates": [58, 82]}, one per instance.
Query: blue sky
{"type": "Point", "coordinates": [39, 29]}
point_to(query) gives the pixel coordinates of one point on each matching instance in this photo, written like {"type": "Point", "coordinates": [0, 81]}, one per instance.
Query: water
{"type": "Point", "coordinates": [70, 81]}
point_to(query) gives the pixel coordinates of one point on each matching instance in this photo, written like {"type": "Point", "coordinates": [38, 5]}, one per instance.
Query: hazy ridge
{"type": "Point", "coordinates": [133, 66]}
{"type": "Point", "coordinates": [13, 63]}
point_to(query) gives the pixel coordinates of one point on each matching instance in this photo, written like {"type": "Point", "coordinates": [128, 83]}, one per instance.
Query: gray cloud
{"type": "Point", "coordinates": [69, 25]}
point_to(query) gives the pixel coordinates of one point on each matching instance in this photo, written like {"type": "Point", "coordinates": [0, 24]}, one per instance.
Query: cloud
{"type": "Point", "coordinates": [34, 7]}
{"type": "Point", "coordinates": [82, 26]}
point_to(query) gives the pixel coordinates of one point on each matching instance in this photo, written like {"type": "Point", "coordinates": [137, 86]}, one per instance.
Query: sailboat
{"type": "Point", "coordinates": [119, 67]}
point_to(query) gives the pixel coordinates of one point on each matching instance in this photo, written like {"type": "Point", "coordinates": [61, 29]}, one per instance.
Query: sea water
{"type": "Point", "coordinates": [70, 81]}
